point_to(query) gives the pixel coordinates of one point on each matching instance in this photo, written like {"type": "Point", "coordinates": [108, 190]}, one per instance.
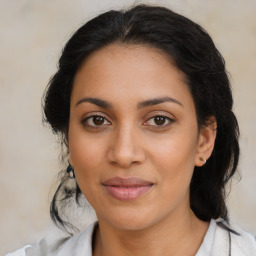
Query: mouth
{"type": "Point", "coordinates": [127, 189]}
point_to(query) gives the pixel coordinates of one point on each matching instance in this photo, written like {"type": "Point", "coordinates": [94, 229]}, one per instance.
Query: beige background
{"type": "Point", "coordinates": [32, 34]}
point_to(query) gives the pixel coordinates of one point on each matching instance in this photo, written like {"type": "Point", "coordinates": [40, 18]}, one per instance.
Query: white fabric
{"type": "Point", "coordinates": [206, 246]}
{"type": "Point", "coordinates": [80, 244]}
{"type": "Point", "coordinates": [243, 245]}
{"type": "Point", "coordinates": [20, 252]}
{"type": "Point", "coordinates": [215, 243]}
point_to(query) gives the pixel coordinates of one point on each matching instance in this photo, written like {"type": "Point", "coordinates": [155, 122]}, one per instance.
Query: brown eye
{"type": "Point", "coordinates": [98, 120]}
{"type": "Point", "coordinates": [159, 120]}
{"type": "Point", "coordinates": [95, 120]}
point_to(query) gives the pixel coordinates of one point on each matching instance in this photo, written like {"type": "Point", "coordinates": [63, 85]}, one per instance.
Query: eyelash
{"type": "Point", "coordinates": [168, 119]}
{"type": "Point", "coordinates": [85, 120]}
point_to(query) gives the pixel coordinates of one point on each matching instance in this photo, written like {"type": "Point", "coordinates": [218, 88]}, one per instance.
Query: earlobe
{"type": "Point", "coordinates": [206, 141]}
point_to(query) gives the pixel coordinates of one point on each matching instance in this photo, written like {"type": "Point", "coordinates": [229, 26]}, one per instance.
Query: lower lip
{"type": "Point", "coordinates": [127, 193]}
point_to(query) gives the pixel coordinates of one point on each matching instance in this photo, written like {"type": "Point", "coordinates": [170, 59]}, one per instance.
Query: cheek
{"type": "Point", "coordinates": [174, 152]}
{"type": "Point", "coordinates": [86, 153]}
{"type": "Point", "coordinates": [87, 156]}
{"type": "Point", "coordinates": [174, 161]}
{"type": "Point", "coordinates": [174, 170]}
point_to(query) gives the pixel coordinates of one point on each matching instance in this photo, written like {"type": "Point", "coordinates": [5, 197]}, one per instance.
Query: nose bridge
{"type": "Point", "coordinates": [125, 139]}
{"type": "Point", "coordinates": [125, 147]}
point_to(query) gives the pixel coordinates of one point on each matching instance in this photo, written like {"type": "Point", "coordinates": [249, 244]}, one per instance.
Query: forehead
{"type": "Point", "coordinates": [122, 71]}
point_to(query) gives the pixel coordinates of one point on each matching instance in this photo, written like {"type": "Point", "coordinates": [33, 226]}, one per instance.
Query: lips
{"type": "Point", "coordinates": [127, 189]}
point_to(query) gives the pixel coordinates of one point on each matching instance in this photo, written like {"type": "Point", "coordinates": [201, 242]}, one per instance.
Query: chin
{"type": "Point", "coordinates": [131, 224]}
{"type": "Point", "coordinates": [132, 220]}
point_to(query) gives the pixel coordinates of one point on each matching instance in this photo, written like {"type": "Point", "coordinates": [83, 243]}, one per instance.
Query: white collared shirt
{"type": "Point", "coordinates": [216, 243]}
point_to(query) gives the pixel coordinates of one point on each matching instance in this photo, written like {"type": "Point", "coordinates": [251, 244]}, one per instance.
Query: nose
{"type": "Point", "coordinates": [125, 148]}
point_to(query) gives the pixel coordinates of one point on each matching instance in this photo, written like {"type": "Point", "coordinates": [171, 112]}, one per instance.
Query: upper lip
{"type": "Point", "coordinates": [127, 182]}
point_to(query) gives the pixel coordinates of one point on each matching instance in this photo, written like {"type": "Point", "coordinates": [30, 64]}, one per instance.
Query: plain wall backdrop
{"type": "Point", "coordinates": [32, 34]}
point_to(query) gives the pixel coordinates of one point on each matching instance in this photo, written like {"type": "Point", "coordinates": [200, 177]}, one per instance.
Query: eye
{"type": "Point", "coordinates": [95, 120]}
{"type": "Point", "coordinates": [159, 120]}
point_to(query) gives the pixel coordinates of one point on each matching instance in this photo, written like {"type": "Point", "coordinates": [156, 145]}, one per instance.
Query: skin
{"type": "Point", "coordinates": [128, 141]}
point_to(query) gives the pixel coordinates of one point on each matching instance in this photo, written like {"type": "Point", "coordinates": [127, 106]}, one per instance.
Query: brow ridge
{"type": "Point", "coordinates": [156, 101]}
{"type": "Point", "coordinates": [150, 102]}
{"type": "Point", "coordinates": [99, 102]}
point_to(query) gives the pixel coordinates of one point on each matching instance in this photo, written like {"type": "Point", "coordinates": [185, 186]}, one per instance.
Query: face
{"type": "Point", "coordinates": [133, 136]}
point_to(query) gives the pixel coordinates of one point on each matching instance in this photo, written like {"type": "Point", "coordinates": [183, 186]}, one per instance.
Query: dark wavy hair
{"type": "Point", "coordinates": [194, 53]}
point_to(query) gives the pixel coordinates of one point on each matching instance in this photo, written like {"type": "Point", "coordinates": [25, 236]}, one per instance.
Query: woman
{"type": "Point", "coordinates": [143, 103]}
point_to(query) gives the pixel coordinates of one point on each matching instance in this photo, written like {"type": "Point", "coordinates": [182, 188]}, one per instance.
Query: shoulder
{"type": "Point", "coordinates": [20, 252]}
{"type": "Point", "coordinates": [231, 238]}
{"type": "Point", "coordinates": [80, 244]}
{"type": "Point", "coordinates": [244, 242]}
{"type": "Point", "coordinates": [76, 245]}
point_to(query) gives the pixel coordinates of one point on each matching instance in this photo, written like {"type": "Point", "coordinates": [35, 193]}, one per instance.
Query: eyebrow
{"type": "Point", "coordinates": [150, 102]}
{"type": "Point", "coordinates": [96, 101]}
{"type": "Point", "coordinates": [156, 101]}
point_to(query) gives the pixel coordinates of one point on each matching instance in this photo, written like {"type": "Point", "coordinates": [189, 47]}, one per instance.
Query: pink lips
{"type": "Point", "coordinates": [127, 189]}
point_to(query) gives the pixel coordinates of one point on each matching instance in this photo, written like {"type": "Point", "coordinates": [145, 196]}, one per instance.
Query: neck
{"type": "Point", "coordinates": [177, 235]}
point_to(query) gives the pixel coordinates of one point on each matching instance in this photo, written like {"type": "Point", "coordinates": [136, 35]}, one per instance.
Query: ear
{"type": "Point", "coordinates": [65, 140]}
{"type": "Point", "coordinates": [206, 140]}
{"type": "Point", "coordinates": [70, 160]}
